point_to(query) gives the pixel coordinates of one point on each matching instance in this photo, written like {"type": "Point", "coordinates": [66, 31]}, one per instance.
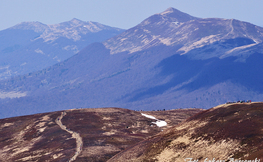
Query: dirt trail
{"type": "Point", "coordinates": [74, 135]}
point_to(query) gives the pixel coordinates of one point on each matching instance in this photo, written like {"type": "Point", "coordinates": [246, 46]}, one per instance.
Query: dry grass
{"type": "Point", "coordinates": [226, 131]}
{"type": "Point", "coordinates": [104, 131]}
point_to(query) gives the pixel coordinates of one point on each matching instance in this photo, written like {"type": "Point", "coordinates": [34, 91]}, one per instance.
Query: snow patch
{"type": "Point", "coordinates": [23, 64]}
{"type": "Point", "coordinates": [39, 51]}
{"type": "Point", "coordinates": [257, 42]}
{"type": "Point", "coordinates": [12, 94]}
{"type": "Point", "coordinates": [159, 123]}
{"type": "Point", "coordinates": [4, 67]}
{"type": "Point", "coordinates": [72, 48]}
{"type": "Point", "coordinates": [148, 116]}
{"type": "Point", "coordinates": [56, 58]}
{"type": "Point", "coordinates": [176, 23]}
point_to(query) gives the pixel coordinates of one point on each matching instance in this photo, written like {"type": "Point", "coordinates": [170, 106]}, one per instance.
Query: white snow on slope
{"type": "Point", "coordinates": [149, 116]}
{"type": "Point", "coordinates": [159, 123]}
{"type": "Point", "coordinates": [12, 94]}
{"type": "Point", "coordinates": [39, 51]}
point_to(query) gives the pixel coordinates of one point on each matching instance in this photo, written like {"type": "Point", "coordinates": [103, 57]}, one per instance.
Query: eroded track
{"type": "Point", "coordinates": [79, 142]}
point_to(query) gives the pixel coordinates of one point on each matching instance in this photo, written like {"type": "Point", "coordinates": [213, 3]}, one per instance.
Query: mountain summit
{"type": "Point", "coordinates": [32, 46]}
{"type": "Point", "coordinates": [199, 38]}
{"type": "Point", "coordinates": [74, 29]}
{"type": "Point", "coordinates": [176, 15]}
{"type": "Point", "coordinates": [152, 31]}
{"type": "Point", "coordinates": [171, 15]}
{"type": "Point", "coordinates": [36, 26]}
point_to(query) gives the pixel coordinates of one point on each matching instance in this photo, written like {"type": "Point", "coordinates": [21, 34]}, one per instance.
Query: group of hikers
{"type": "Point", "coordinates": [240, 101]}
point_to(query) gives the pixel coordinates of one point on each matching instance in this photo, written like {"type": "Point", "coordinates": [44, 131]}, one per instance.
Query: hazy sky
{"type": "Point", "coordinates": [123, 13]}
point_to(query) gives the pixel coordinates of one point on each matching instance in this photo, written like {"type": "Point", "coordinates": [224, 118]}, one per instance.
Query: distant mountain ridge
{"type": "Point", "coordinates": [170, 60]}
{"type": "Point", "coordinates": [35, 26]}
{"type": "Point", "coordinates": [32, 46]}
{"type": "Point", "coordinates": [73, 29]}
{"type": "Point", "coordinates": [149, 32]}
{"type": "Point", "coordinates": [189, 32]}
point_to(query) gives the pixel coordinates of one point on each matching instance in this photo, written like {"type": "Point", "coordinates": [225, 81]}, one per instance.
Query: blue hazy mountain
{"type": "Point", "coordinates": [32, 46]}
{"type": "Point", "coordinates": [170, 60]}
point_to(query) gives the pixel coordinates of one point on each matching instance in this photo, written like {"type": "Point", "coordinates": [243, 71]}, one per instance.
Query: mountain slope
{"type": "Point", "coordinates": [190, 33]}
{"type": "Point", "coordinates": [220, 133]}
{"type": "Point", "coordinates": [206, 62]}
{"type": "Point", "coordinates": [32, 46]}
{"type": "Point", "coordinates": [104, 132]}
{"type": "Point", "coordinates": [153, 31]}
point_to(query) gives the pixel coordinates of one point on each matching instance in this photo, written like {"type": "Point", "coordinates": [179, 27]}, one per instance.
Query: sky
{"type": "Point", "coordinates": [123, 13]}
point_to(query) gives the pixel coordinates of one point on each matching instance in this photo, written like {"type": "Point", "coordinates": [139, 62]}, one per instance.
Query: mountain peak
{"type": "Point", "coordinates": [173, 13]}
{"type": "Point", "coordinates": [169, 10]}
{"type": "Point", "coordinates": [75, 21]}
{"type": "Point", "coordinates": [31, 25]}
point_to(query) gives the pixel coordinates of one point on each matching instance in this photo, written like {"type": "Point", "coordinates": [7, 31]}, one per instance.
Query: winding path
{"type": "Point", "coordinates": [74, 135]}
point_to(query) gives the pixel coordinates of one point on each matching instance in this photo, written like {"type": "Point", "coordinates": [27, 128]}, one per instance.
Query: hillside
{"type": "Point", "coordinates": [170, 60]}
{"type": "Point", "coordinates": [223, 132]}
{"type": "Point", "coordinates": [82, 134]}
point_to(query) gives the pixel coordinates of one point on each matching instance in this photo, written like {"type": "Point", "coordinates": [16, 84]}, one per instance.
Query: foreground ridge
{"type": "Point", "coordinates": [102, 133]}
{"type": "Point", "coordinates": [228, 132]}
{"type": "Point", "coordinates": [79, 142]}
